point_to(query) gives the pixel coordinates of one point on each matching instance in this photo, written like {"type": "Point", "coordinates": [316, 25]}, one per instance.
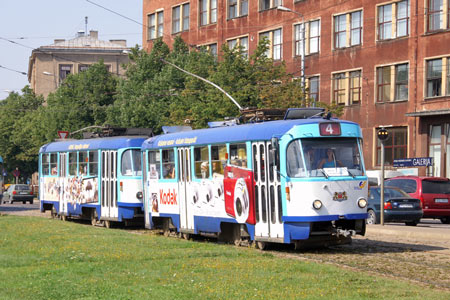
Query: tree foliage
{"type": "Point", "coordinates": [152, 94]}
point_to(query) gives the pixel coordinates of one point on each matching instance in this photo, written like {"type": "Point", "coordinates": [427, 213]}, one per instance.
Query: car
{"type": "Point", "coordinates": [433, 192]}
{"type": "Point", "coordinates": [398, 206]}
{"type": "Point", "coordinates": [17, 193]}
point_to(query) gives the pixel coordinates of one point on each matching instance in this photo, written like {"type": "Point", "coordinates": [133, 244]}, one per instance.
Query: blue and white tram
{"type": "Point", "coordinates": [293, 181]}
{"type": "Point", "coordinates": [98, 179]}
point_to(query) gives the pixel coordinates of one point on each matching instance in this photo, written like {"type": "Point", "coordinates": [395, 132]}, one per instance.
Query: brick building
{"type": "Point", "coordinates": [387, 62]}
{"type": "Point", "coordinates": [49, 65]}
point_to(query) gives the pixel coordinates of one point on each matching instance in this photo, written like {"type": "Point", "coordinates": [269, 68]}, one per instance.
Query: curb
{"type": "Point", "coordinates": [410, 232]}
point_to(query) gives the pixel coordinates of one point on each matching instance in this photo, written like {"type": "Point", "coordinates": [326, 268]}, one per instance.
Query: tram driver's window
{"type": "Point", "coordinates": [83, 162]}
{"type": "Point", "coordinates": [54, 163]}
{"type": "Point", "coordinates": [201, 158]}
{"type": "Point", "coordinates": [131, 163]}
{"type": "Point", "coordinates": [168, 163]}
{"type": "Point", "coordinates": [294, 160]}
{"type": "Point", "coordinates": [238, 155]}
{"type": "Point", "coordinates": [154, 164]}
{"type": "Point", "coordinates": [218, 159]}
{"type": "Point", "coordinates": [45, 164]}
{"type": "Point", "coordinates": [73, 163]}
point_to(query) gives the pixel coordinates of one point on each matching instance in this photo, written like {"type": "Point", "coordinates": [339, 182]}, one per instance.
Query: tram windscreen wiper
{"type": "Point", "coordinates": [324, 173]}
{"type": "Point", "coordinates": [353, 175]}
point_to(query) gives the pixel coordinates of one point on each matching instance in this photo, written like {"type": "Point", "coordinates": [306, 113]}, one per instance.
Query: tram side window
{"type": "Point", "coordinates": [54, 163]}
{"type": "Point", "coordinates": [238, 155]}
{"type": "Point", "coordinates": [93, 163]}
{"type": "Point", "coordinates": [73, 163]}
{"type": "Point", "coordinates": [131, 163]}
{"type": "Point", "coordinates": [168, 163]}
{"type": "Point", "coordinates": [83, 162]}
{"type": "Point", "coordinates": [294, 163]}
{"type": "Point", "coordinates": [45, 164]}
{"type": "Point", "coordinates": [201, 158]}
{"type": "Point", "coordinates": [218, 159]}
{"type": "Point", "coordinates": [154, 164]}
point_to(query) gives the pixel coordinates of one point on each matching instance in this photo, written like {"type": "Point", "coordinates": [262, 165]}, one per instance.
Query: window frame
{"type": "Point", "coordinates": [431, 14]}
{"type": "Point", "coordinates": [272, 46]}
{"type": "Point", "coordinates": [183, 18]}
{"type": "Point", "coordinates": [311, 93]}
{"type": "Point", "coordinates": [436, 79]}
{"type": "Point", "coordinates": [383, 23]}
{"type": "Point", "coordinates": [237, 41]}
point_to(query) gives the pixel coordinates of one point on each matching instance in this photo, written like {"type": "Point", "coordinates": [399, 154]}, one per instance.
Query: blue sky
{"type": "Point", "coordinates": [39, 22]}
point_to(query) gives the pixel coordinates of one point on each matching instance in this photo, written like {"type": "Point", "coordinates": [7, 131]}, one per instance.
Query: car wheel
{"type": "Point", "coordinates": [445, 220]}
{"type": "Point", "coordinates": [371, 218]}
{"type": "Point", "coordinates": [412, 223]}
{"type": "Point", "coordinates": [31, 202]}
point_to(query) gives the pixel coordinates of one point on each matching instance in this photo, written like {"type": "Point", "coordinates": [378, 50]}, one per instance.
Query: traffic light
{"type": "Point", "coordinates": [383, 134]}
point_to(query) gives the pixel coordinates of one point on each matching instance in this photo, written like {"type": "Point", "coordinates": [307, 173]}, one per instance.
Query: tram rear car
{"type": "Point", "coordinates": [258, 182]}
{"type": "Point", "coordinates": [99, 179]}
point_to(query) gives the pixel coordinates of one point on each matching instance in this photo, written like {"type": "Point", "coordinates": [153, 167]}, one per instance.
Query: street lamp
{"type": "Point", "coordinates": [302, 70]}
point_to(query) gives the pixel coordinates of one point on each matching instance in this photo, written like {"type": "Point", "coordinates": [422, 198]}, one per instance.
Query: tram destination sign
{"type": "Point", "coordinates": [413, 162]}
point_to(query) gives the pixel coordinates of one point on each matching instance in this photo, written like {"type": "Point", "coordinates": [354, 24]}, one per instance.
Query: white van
{"type": "Point", "coordinates": [374, 176]}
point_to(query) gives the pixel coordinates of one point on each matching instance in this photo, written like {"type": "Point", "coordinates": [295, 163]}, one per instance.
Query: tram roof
{"type": "Point", "coordinates": [112, 143]}
{"type": "Point", "coordinates": [231, 134]}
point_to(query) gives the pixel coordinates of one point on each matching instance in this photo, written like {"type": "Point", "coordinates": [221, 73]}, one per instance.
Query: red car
{"type": "Point", "coordinates": [434, 192]}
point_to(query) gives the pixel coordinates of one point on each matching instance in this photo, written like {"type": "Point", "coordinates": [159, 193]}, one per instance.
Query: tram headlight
{"type": "Point", "coordinates": [362, 202]}
{"type": "Point", "coordinates": [139, 195]}
{"type": "Point", "coordinates": [317, 204]}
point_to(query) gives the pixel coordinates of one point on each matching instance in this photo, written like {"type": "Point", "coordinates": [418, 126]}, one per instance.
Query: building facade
{"type": "Point", "coordinates": [386, 62]}
{"type": "Point", "coordinates": [49, 65]}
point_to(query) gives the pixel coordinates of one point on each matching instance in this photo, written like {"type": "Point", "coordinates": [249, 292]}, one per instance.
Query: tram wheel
{"type": "Point", "coordinates": [63, 217]}
{"type": "Point", "coordinates": [107, 223]}
{"type": "Point", "coordinates": [54, 213]}
{"type": "Point", "coordinates": [94, 217]}
{"type": "Point", "coordinates": [186, 236]}
{"type": "Point", "coordinates": [261, 245]}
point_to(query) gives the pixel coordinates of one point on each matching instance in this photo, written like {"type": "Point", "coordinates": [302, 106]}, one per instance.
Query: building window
{"type": "Point", "coordinates": [434, 77]}
{"type": "Point", "coordinates": [356, 28]}
{"type": "Point", "coordinates": [237, 8]}
{"type": "Point", "coordinates": [313, 84]}
{"type": "Point", "coordinates": [401, 82]}
{"type": "Point", "coordinates": [392, 83]}
{"type": "Point", "coordinates": [64, 71]}
{"type": "Point", "coordinates": [435, 15]}
{"type": "Point", "coordinates": [347, 87]}
{"type": "Point", "coordinates": [342, 31]}
{"type": "Point", "coordinates": [211, 49]}
{"type": "Point", "coordinates": [384, 84]}
{"type": "Point", "coordinates": [82, 67]}
{"type": "Point", "coordinates": [355, 87]}
{"type": "Point", "coordinates": [242, 42]}
{"type": "Point", "coordinates": [275, 38]}
{"type": "Point", "coordinates": [394, 13]}
{"type": "Point", "coordinates": [312, 37]}
{"type": "Point", "coordinates": [385, 22]}
{"type": "Point", "coordinates": [180, 18]}
{"type": "Point", "coordinates": [208, 12]}
{"type": "Point", "coordinates": [155, 25]}
{"type": "Point", "coordinates": [268, 4]}
{"type": "Point", "coordinates": [395, 147]}
{"type": "Point", "coordinates": [448, 79]}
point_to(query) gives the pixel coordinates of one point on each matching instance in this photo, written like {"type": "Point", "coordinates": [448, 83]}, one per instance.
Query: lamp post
{"type": "Point", "coordinates": [383, 135]}
{"type": "Point", "coordinates": [302, 70]}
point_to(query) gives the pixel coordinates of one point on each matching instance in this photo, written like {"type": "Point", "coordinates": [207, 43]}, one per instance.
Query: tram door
{"type": "Point", "coordinates": [109, 185]}
{"type": "Point", "coordinates": [62, 176]}
{"type": "Point", "coordinates": [185, 193]}
{"type": "Point", "coordinates": [267, 192]}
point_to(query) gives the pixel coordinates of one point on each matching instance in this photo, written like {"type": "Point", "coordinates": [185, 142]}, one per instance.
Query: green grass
{"type": "Point", "coordinates": [49, 259]}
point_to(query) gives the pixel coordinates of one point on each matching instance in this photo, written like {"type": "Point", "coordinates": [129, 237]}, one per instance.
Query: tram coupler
{"type": "Point", "coordinates": [345, 232]}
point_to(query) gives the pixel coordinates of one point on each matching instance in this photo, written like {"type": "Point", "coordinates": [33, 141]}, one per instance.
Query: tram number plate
{"type": "Point", "coordinates": [441, 200]}
{"type": "Point", "coordinates": [406, 206]}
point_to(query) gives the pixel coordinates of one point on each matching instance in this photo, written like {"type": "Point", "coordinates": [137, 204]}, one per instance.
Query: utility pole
{"type": "Point", "coordinates": [383, 135]}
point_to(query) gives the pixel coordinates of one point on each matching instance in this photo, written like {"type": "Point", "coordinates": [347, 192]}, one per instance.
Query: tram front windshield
{"type": "Point", "coordinates": [324, 157]}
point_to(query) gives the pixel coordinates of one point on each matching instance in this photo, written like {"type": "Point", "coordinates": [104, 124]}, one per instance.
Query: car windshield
{"type": "Point", "coordinates": [407, 185]}
{"type": "Point", "coordinates": [324, 157]}
{"type": "Point", "coordinates": [436, 187]}
{"type": "Point", "coordinates": [388, 193]}
{"type": "Point", "coordinates": [22, 188]}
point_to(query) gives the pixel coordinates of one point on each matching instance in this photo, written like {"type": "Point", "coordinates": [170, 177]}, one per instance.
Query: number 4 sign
{"type": "Point", "coordinates": [328, 129]}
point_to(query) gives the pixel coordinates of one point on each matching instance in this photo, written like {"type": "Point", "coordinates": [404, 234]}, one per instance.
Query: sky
{"type": "Point", "coordinates": [35, 23]}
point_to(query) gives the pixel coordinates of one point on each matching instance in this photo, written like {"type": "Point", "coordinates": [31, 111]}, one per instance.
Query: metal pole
{"type": "Point", "coordinates": [382, 186]}
{"type": "Point", "coordinates": [302, 73]}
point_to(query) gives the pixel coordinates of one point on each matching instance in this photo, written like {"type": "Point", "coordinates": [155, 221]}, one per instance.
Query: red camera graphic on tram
{"type": "Point", "coordinates": [239, 194]}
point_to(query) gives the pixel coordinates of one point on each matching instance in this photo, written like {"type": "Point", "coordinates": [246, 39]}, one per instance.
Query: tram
{"type": "Point", "coordinates": [99, 179]}
{"type": "Point", "coordinates": [300, 180]}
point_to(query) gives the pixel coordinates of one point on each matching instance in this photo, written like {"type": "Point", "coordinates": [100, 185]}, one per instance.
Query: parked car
{"type": "Point", "coordinates": [398, 206]}
{"type": "Point", "coordinates": [17, 193]}
{"type": "Point", "coordinates": [433, 192]}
